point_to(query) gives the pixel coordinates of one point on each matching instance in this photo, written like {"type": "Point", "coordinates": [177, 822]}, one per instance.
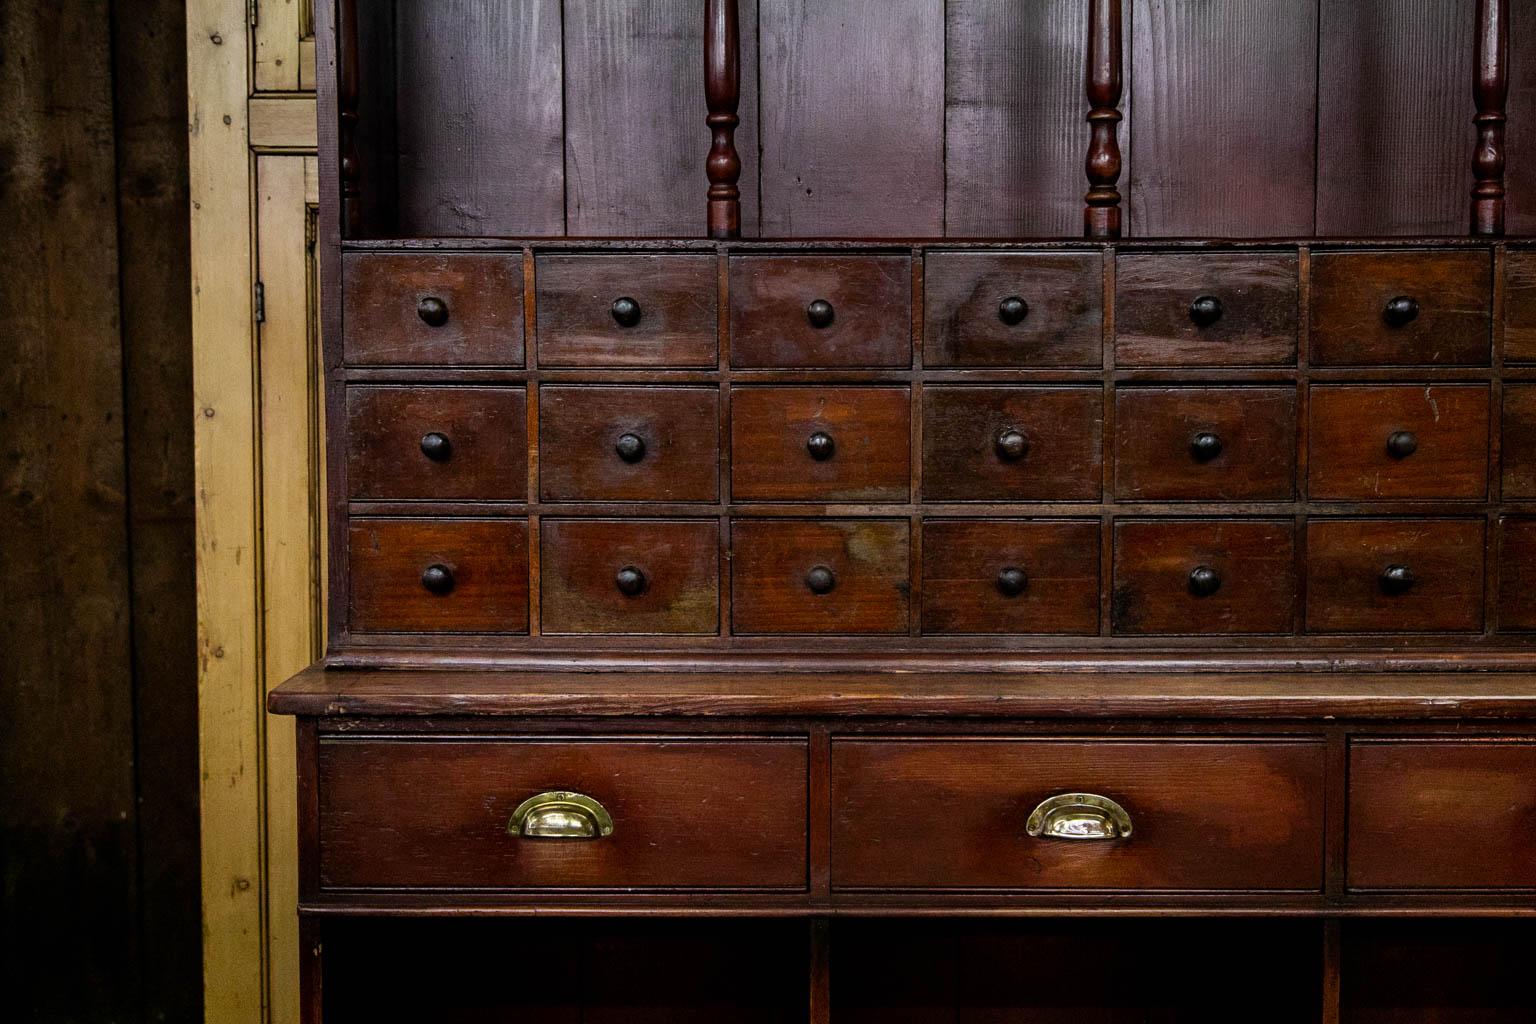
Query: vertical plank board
{"type": "Point", "coordinates": [635, 138]}
{"type": "Point", "coordinates": [1395, 117]}
{"type": "Point", "coordinates": [852, 95]}
{"type": "Point", "coordinates": [1520, 170]}
{"type": "Point", "coordinates": [1225, 98]}
{"type": "Point", "coordinates": [275, 45]}
{"type": "Point", "coordinates": [1013, 112]}
{"type": "Point", "coordinates": [479, 117]}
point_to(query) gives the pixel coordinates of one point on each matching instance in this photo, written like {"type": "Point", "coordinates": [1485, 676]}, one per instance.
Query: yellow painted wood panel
{"type": "Point", "coordinates": [285, 122]}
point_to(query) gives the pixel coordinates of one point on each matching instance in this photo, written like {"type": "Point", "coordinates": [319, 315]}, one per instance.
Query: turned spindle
{"type": "Point", "coordinates": [1490, 86]}
{"type": "Point", "coordinates": [722, 94]}
{"type": "Point", "coordinates": [351, 170]}
{"type": "Point", "coordinates": [1101, 217]}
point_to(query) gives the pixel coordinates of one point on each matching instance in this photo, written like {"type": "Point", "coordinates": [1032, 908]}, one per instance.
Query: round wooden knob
{"type": "Point", "coordinates": [436, 446]}
{"type": "Point", "coordinates": [438, 579]}
{"type": "Point", "coordinates": [820, 580]}
{"type": "Point", "coordinates": [1400, 311]}
{"type": "Point", "coordinates": [433, 311]}
{"type": "Point", "coordinates": [1012, 310]}
{"type": "Point", "coordinates": [1011, 445]}
{"type": "Point", "coordinates": [1204, 581]}
{"type": "Point", "coordinates": [626, 311]}
{"type": "Point", "coordinates": [1205, 446]}
{"type": "Point", "coordinates": [820, 313]}
{"type": "Point", "coordinates": [630, 447]}
{"type": "Point", "coordinates": [821, 446]}
{"type": "Point", "coordinates": [1011, 581]}
{"type": "Point", "coordinates": [1205, 310]}
{"type": "Point", "coordinates": [630, 581]}
{"type": "Point", "coordinates": [1402, 444]}
{"type": "Point", "coordinates": [1397, 579]}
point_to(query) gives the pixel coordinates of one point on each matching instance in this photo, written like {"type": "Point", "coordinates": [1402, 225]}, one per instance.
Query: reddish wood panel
{"type": "Point", "coordinates": [1164, 315]}
{"type": "Point", "coordinates": [1012, 443]}
{"type": "Point", "coordinates": [864, 317]}
{"type": "Point", "coordinates": [486, 561]}
{"type": "Point", "coordinates": [694, 813]}
{"type": "Point", "coordinates": [832, 576]}
{"type": "Point", "coordinates": [1013, 309]}
{"type": "Point", "coordinates": [629, 444]}
{"type": "Point", "coordinates": [1518, 447]}
{"type": "Point", "coordinates": [1517, 574]}
{"type": "Point", "coordinates": [432, 310]}
{"type": "Point", "coordinates": [437, 442]}
{"type": "Point", "coordinates": [1520, 163]}
{"type": "Point", "coordinates": [1349, 591]}
{"type": "Point", "coordinates": [1359, 316]}
{"type": "Point", "coordinates": [1163, 584]}
{"type": "Point", "coordinates": [1520, 306]}
{"type": "Point", "coordinates": [670, 319]}
{"type": "Point", "coordinates": [1227, 443]}
{"type": "Point", "coordinates": [629, 576]}
{"type": "Point", "coordinates": [1398, 441]}
{"type": "Point", "coordinates": [1010, 576]}
{"type": "Point", "coordinates": [821, 444]}
{"type": "Point", "coordinates": [1213, 815]}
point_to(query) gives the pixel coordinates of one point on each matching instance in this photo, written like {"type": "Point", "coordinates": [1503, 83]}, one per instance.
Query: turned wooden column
{"type": "Point", "coordinates": [1490, 86]}
{"type": "Point", "coordinates": [350, 170]}
{"type": "Point", "coordinates": [722, 94]}
{"type": "Point", "coordinates": [1101, 217]}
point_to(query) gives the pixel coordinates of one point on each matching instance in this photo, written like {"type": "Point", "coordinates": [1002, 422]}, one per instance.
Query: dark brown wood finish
{"type": "Point", "coordinates": [1203, 576]}
{"type": "Point", "coordinates": [820, 444]}
{"type": "Point", "coordinates": [464, 309]}
{"type": "Point", "coordinates": [1199, 310]}
{"type": "Point", "coordinates": [1371, 442]}
{"type": "Point", "coordinates": [1520, 307]}
{"type": "Point", "coordinates": [1010, 576]}
{"type": "Point", "coordinates": [1517, 446]}
{"type": "Point", "coordinates": [1105, 79]}
{"type": "Point", "coordinates": [1517, 574]}
{"type": "Point", "coordinates": [1012, 444]}
{"type": "Point", "coordinates": [478, 581]}
{"type": "Point", "coordinates": [437, 443]}
{"type": "Point", "coordinates": [1401, 308]}
{"type": "Point", "coordinates": [1491, 89]}
{"type": "Point", "coordinates": [349, 85]}
{"type": "Point", "coordinates": [722, 89]}
{"type": "Point", "coordinates": [820, 311]}
{"type": "Point", "coordinates": [629, 444]}
{"type": "Point", "coordinates": [1038, 309]}
{"type": "Point", "coordinates": [629, 576]}
{"type": "Point", "coordinates": [832, 576]}
{"type": "Point", "coordinates": [628, 311]}
{"type": "Point", "coordinates": [1352, 586]}
{"type": "Point", "coordinates": [1225, 443]}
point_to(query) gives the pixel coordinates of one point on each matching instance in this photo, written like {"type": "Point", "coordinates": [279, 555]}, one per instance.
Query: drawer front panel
{"type": "Point", "coordinates": [821, 311]}
{"type": "Point", "coordinates": [1012, 444]}
{"type": "Point", "coordinates": [1517, 574]}
{"type": "Point", "coordinates": [1206, 310]}
{"type": "Point", "coordinates": [1371, 442]}
{"type": "Point", "coordinates": [1203, 577]}
{"type": "Point", "coordinates": [833, 576]}
{"type": "Point", "coordinates": [628, 311]}
{"type": "Point", "coordinates": [1235, 444]}
{"type": "Point", "coordinates": [629, 444]}
{"type": "Point", "coordinates": [1520, 307]}
{"type": "Point", "coordinates": [1518, 448]}
{"type": "Point", "coordinates": [1013, 309]}
{"type": "Point", "coordinates": [953, 814]}
{"type": "Point", "coordinates": [688, 813]}
{"type": "Point", "coordinates": [1401, 308]}
{"type": "Point", "coordinates": [461, 310]}
{"type": "Point", "coordinates": [629, 576]}
{"type": "Point", "coordinates": [437, 443]}
{"type": "Point", "coordinates": [441, 576]}
{"type": "Point", "coordinates": [821, 444]}
{"type": "Point", "coordinates": [1394, 576]}
{"type": "Point", "coordinates": [1451, 814]}
{"type": "Point", "coordinates": [1010, 576]}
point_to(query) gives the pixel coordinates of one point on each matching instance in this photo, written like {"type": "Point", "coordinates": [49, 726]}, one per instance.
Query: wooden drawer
{"type": "Point", "coordinates": [629, 444]}
{"type": "Point", "coordinates": [437, 443]}
{"type": "Point", "coordinates": [780, 314]}
{"type": "Point", "coordinates": [1012, 443]}
{"type": "Point", "coordinates": [1235, 444]}
{"type": "Point", "coordinates": [1520, 307]}
{"type": "Point", "coordinates": [1199, 576]}
{"type": "Point", "coordinates": [438, 576]}
{"type": "Point", "coordinates": [428, 310]}
{"type": "Point", "coordinates": [1013, 309]}
{"type": "Point", "coordinates": [1518, 448]}
{"type": "Point", "coordinates": [1394, 575]}
{"type": "Point", "coordinates": [954, 814]}
{"type": "Point", "coordinates": [821, 444]}
{"type": "Point", "coordinates": [1517, 574]}
{"type": "Point", "coordinates": [1442, 814]}
{"type": "Point", "coordinates": [830, 576]}
{"type": "Point", "coordinates": [434, 813]}
{"type": "Point", "coordinates": [1206, 310]}
{"type": "Point", "coordinates": [1010, 576]}
{"type": "Point", "coordinates": [1401, 308]}
{"type": "Point", "coordinates": [1371, 442]}
{"type": "Point", "coordinates": [629, 576]}
{"type": "Point", "coordinates": [631, 310]}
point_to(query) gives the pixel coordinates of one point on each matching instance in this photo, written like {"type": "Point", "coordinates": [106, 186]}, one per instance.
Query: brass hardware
{"type": "Point", "coordinates": [1079, 816]}
{"type": "Point", "coordinates": [560, 815]}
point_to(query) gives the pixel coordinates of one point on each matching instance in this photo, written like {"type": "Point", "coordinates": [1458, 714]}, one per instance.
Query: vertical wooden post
{"type": "Point", "coordinates": [1490, 86]}
{"type": "Point", "coordinates": [350, 170]}
{"type": "Point", "coordinates": [722, 94]}
{"type": "Point", "coordinates": [1101, 217]}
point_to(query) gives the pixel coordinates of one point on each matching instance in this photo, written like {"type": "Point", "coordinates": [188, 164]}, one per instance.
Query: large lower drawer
{"type": "Point", "coordinates": [1203, 815]}
{"type": "Point", "coordinates": [432, 813]}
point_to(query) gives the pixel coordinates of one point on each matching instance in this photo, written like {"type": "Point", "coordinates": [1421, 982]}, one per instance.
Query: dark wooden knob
{"type": "Point", "coordinates": [1204, 446]}
{"type": "Point", "coordinates": [1400, 311]}
{"type": "Point", "coordinates": [1396, 579]}
{"type": "Point", "coordinates": [630, 447]}
{"type": "Point", "coordinates": [820, 580]}
{"type": "Point", "coordinates": [626, 311]}
{"type": "Point", "coordinates": [1011, 445]}
{"type": "Point", "coordinates": [1205, 310]}
{"type": "Point", "coordinates": [1402, 444]}
{"type": "Point", "coordinates": [820, 313]}
{"type": "Point", "coordinates": [436, 446]}
{"type": "Point", "coordinates": [1011, 581]}
{"type": "Point", "coordinates": [1204, 581]}
{"type": "Point", "coordinates": [433, 311]}
{"type": "Point", "coordinates": [821, 446]}
{"type": "Point", "coordinates": [438, 579]}
{"type": "Point", "coordinates": [630, 581]}
{"type": "Point", "coordinates": [1012, 310]}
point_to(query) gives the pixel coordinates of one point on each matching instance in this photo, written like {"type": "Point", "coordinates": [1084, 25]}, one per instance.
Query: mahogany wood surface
{"type": "Point", "coordinates": [1163, 443]}
{"type": "Point", "coordinates": [1155, 324]}
{"type": "Point", "coordinates": [779, 439]}
{"type": "Point", "coordinates": [481, 299]}
{"type": "Point", "coordinates": [1517, 583]}
{"type": "Point", "coordinates": [487, 562]}
{"type": "Point", "coordinates": [970, 581]}
{"type": "Point", "coordinates": [1520, 307]}
{"type": "Point", "coordinates": [1352, 454]}
{"type": "Point", "coordinates": [770, 578]}
{"type": "Point", "coordinates": [678, 562]}
{"type": "Point", "coordinates": [1105, 81]}
{"type": "Point", "coordinates": [1347, 557]}
{"type": "Point", "coordinates": [480, 450]}
{"type": "Point", "coordinates": [588, 450]}
{"type": "Point", "coordinates": [1156, 560]}
{"type": "Point", "coordinates": [972, 449]}
{"type": "Point", "coordinates": [580, 325]}
{"type": "Point", "coordinates": [1351, 291]}
{"type": "Point", "coordinates": [966, 324]}
{"type": "Point", "coordinates": [871, 311]}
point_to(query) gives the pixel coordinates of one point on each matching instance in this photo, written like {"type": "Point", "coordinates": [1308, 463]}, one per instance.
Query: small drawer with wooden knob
{"type": "Point", "coordinates": [1203, 576]}
{"type": "Point", "coordinates": [1206, 309]}
{"type": "Point", "coordinates": [1227, 443]}
{"type": "Point", "coordinates": [631, 310]}
{"type": "Point", "coordinates": [437, 576]}
{"type": "Point", "coordinates": [629, 443]}
{"type": "Point", "coordinates": [629, 576]}
{"type": "Point", "coordinates": [1010, 576]}
{"type": "Point", "coordinates": [1013, 309]}
{"type": "Point", "coordinates": [1517, 448]}
{"type": "Point", "coordinates": [1402, 308]}
{"type": "Point", "coordinates": [1395, 575]}
{"type": "Point", "coordinates": [1370, 442]}
{"type": "Point", "coordinates": [1012, 443]}
{"type": "Point", "coordinates": [821, 444]}
{"type": "Point", "coordinates": [442, 443]}
{"type": "Point", "coordinates": [1517, 574]}
{"type": "Point", "coordinates": [1070, 814]}
{"type": "Point", "coordinates": [494, 812]}
{"type": "Point", "coordinates": [464, 309]}
{"type": "Point", "coordinates": [821, 311]}
{"type": "Point", "coordinates": [826, 576]}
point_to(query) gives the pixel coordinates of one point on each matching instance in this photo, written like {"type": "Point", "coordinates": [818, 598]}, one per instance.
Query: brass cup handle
{"type": "Point", "coordinates": [1079, 816]}
{"type": "Point", "coordinates": [560, 815]}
